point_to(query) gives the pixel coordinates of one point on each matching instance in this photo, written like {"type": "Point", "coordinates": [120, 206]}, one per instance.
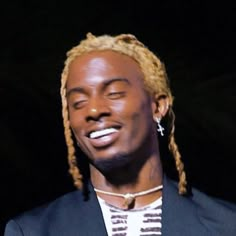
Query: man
{"type": "Point", "coordinates": [114, 95]}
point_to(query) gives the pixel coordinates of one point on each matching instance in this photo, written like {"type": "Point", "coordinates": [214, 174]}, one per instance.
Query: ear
{"type": "Point", "coordinates": [160, 106]}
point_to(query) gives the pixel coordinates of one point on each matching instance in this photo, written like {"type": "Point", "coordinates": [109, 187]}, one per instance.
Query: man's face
{"type": "Point", "coordinates": [110, 113]}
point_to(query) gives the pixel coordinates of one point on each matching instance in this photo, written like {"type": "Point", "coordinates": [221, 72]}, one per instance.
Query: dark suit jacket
{"type": "Point", "coordinates": [70, 215]}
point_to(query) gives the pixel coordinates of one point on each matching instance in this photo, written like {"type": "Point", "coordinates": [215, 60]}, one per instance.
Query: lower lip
{"type": "Point", "coordinates": [105, 140]}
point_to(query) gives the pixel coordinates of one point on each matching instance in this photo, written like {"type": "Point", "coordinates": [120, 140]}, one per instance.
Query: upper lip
{"type": "Point", "coordinates": [102, 126]}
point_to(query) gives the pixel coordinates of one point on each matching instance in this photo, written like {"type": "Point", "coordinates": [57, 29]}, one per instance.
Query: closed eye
{"type": "Point", "coordinates": [79, 104]}
{"type": "Point", "coordinates": [116, 95]}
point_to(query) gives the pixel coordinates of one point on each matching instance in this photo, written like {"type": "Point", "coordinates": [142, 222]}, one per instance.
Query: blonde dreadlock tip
{"type": "Point", "coordinates": [89, 35]}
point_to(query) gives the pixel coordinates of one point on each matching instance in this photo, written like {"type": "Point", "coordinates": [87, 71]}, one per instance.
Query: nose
{"type": "Point", "coordinates": [97, 108]}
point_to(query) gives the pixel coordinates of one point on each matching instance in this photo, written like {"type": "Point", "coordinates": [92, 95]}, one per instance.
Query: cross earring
{"type": "Point", "coordinates": [160, 128]}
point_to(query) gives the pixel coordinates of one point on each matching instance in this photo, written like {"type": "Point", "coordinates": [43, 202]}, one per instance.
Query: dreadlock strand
{"type": "Point", "coordinates": [173, 147]}
{"type": "Point", "coordinates": [73, 169]}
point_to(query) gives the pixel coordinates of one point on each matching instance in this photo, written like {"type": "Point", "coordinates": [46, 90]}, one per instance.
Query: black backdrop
{"type": "Point", "coordinates": [195, 39]}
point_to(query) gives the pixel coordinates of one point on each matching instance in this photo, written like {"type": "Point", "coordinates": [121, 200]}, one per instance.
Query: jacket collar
{"type": "Point", "coordinates": [179, 213]}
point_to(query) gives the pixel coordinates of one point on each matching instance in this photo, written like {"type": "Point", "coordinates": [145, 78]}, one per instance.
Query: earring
{"type": "Point", "coordinates": [160, 128]}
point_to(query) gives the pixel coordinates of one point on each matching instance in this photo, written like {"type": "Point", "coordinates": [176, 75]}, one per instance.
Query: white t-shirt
{"type": "Point", "coordinates": [145, 221]}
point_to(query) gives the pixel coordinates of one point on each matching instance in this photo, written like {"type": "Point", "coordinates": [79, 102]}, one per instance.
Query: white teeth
{"type": "Point", "coordinates": [103, 132]}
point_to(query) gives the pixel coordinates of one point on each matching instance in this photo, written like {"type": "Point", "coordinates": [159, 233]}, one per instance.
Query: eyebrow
{"type": "Point", "coordinates": [75, 90]}
{"type": "Point", "coordinates": [105, 83]}
{"type": "Point", "coordinates": [110, 81]}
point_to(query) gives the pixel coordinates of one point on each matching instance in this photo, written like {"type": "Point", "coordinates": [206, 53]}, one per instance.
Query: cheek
{"type": "Point", "coordinates": [134, 113]}
{"type": "Point", "coordinates": [144, 116]}
{"type": "Point", "coordinates": [75, 122]}
{"type": "Point", "coordinates": [119, 107]}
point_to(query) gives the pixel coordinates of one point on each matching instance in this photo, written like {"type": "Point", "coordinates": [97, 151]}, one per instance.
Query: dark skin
{"type": "Point", "coordinates": [112, 117]}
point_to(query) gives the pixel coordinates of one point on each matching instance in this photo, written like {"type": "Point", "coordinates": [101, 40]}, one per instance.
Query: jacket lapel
{"type": "Point", "coordinates": [91, 218]}
{"type": "Point", "coordinates": [179, 214]}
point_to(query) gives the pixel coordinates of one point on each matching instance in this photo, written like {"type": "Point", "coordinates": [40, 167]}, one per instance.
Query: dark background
{"type": "Point", "coordinates": [195, 39]}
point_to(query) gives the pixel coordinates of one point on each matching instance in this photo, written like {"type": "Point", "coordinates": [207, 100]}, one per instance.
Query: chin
{"type": "Point", "coordinates": [109, 164]}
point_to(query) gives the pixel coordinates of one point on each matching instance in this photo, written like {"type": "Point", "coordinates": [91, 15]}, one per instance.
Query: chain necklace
{"type": "Point", "coordinates": [130, 197]}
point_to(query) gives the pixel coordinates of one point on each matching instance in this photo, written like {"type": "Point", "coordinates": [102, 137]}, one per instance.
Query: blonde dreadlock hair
{"type": "Point", "coordinates": [155, 80]}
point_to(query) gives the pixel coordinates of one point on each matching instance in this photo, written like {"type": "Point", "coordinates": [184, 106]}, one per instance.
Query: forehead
{"type": "Point", "coordinates": [106, 64]}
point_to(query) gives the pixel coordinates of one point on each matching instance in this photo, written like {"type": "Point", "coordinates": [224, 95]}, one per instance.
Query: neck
{"type": "Point", "coordinates": [135, 177]}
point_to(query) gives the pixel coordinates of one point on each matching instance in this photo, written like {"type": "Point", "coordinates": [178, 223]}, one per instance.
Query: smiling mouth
{"type": "Point", "coordinates": [103, 132]}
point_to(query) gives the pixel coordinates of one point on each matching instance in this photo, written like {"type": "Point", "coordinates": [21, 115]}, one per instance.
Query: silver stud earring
{"type": "Point", "coordinates": [160, 128]}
